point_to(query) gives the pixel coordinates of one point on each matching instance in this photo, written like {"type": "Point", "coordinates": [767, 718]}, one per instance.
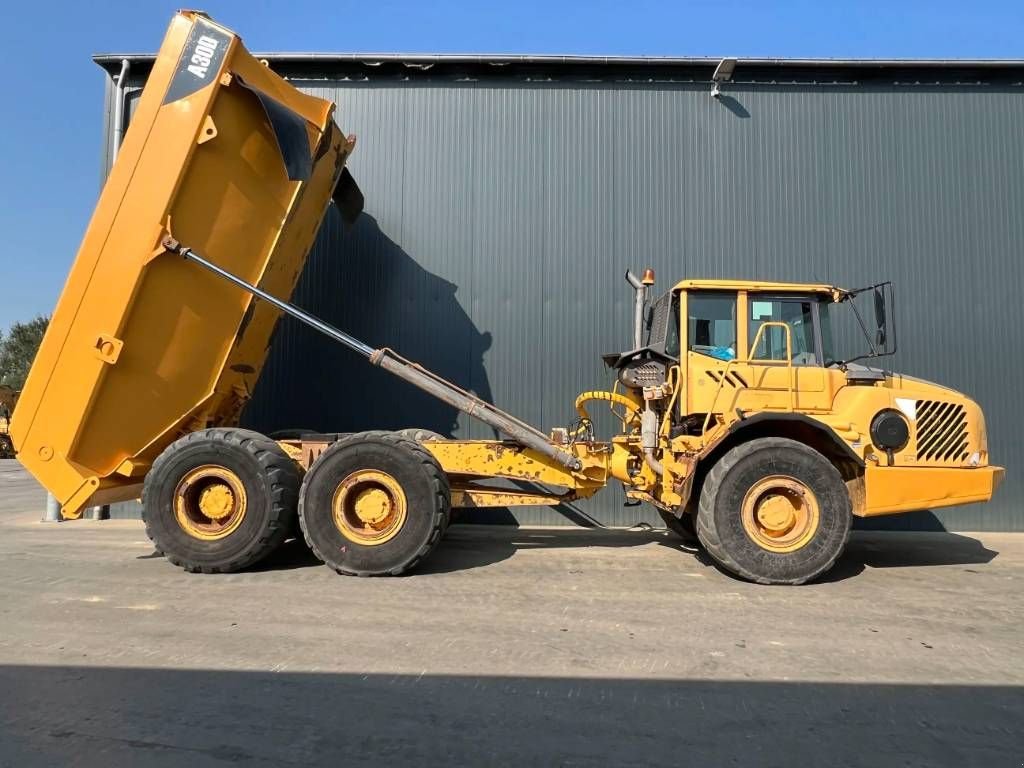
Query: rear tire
{"type": "Point", "coordinates": [373, 504]}
{"type": "Point", "coordinates": [6, 447]}
{"type": "Point", "coordinates": [774, 511]}
{"type": "Point", "coordinates": [220, 500]}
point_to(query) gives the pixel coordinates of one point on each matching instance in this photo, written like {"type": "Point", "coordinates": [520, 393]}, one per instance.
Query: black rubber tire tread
{"type": "Point", "coordinates": [434, 503]}
{"type": "Point", "coordinates": [684, 527]}
{"type": "Point", "coordinates": [6, 447]}
{"type": "Point", "coordinates": [720, 528]}
{"type": "Point", "coordinates": [272, 487]}
{"type": "Point", "coordinates": [419, 434]}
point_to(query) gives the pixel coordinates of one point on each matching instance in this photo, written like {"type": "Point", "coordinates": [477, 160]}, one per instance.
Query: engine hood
{"type": "Point", "coordinates": [922, 387]}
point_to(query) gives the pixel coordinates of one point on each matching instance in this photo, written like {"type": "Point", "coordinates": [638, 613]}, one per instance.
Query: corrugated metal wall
{"type": "Point", "coordinates": [500, 217]}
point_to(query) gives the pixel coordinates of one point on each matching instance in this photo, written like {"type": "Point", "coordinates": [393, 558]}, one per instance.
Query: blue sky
{"type": "Point", "coordinates": [53, 92]}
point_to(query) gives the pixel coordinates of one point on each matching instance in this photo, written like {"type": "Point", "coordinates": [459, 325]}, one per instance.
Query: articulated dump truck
{"type": "Point", "coordinates": [738, 422]}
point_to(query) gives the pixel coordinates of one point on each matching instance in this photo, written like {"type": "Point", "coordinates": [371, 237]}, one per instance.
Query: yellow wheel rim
{"type": "Point", "coordinates": [210, 503]}
{"type": "Point", "coordinates": [369, 507]}
{"type": "Point", "coordinates": [780, 514]}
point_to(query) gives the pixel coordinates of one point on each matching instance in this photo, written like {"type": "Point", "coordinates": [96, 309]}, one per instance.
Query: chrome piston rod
{"type": "Point", "coordinates": [430, 383]}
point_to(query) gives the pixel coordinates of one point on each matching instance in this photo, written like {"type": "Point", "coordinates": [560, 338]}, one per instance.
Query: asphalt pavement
{"type": "Point", "coordinates": [543, 647]}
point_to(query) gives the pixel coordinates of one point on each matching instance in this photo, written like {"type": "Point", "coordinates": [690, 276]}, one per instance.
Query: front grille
{"type": "Point", "coordinates": [941, 431]}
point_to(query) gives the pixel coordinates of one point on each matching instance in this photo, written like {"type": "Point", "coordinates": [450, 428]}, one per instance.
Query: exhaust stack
{"type": "Point", "coordinates": [640, 293]}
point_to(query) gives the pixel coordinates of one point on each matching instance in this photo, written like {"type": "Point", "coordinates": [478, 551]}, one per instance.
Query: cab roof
{"type": "Point", "coordinates": [758, 285]}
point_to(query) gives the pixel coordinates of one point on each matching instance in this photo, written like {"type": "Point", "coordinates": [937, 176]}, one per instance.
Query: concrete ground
{"type": "Point", "coordinates": [511, 647]}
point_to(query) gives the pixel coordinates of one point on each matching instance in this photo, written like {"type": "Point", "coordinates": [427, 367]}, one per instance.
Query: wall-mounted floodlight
{"type": "Point", "coordinates": [723, 74]}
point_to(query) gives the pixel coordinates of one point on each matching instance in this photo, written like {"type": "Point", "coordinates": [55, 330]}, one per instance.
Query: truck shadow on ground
{"type": "Point", "coordinates": [113, 716]}
{"type": "Point", "coordinates": [898, 549]}
{"type": "Point", "coordinates": [466, 547]}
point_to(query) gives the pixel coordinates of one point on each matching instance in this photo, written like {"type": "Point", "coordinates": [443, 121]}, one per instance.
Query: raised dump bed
{"type": "Point", "coordinates": [143, 346]}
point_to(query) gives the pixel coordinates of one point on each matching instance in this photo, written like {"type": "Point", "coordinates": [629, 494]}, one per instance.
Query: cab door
{"type": "Point", "coordinates": [710, 339]}
{"type": "Point", "coordinates": [780, 363]}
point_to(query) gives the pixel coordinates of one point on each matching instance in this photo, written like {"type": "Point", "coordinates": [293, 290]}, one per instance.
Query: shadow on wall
{"type": "Point", "coordinates": [120, 716]}
{"type": "Point", "coordinates": [364, 283]}
{"type": "Point", "coordinates": [733, 105]}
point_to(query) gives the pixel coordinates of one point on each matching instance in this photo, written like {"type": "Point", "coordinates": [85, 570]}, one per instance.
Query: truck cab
{"type": "Point", "coordinates": [760, 358]}
{"type": "Point", "coordinates": [763, 346]}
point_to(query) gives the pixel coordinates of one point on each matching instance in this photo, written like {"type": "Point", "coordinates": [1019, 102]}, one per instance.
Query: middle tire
{"type": "Point", "coordinates": [374, 503]}
{"type": "Point", "coordinates": [420, 435]}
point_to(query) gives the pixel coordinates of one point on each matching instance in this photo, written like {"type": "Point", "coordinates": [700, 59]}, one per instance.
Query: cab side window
{"type": "Point", "coordinates": [672, 335]}
{"type": "Point", "coordinates": [711, 324]}
{"type": "Point", "coordinates": [797, 314]}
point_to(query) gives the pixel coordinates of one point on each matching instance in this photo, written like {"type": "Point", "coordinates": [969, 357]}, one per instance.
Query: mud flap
{"type": "Point", "coordinates": [290, 132]}
{"type": "Point", "coordinates": [348, 197]}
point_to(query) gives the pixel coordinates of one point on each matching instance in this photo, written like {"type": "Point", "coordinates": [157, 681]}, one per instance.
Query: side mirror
{"type": "Point", "coordinates": [880, 319]}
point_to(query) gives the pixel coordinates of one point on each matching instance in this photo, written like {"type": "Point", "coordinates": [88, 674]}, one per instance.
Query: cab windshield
{"type": "Point", "coordinates": [828, 342]}
{"type": "Point", "coordinates": [859, 326]}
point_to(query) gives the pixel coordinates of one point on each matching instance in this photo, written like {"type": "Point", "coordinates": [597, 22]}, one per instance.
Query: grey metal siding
{"type": "Point", "coordinates": [501, 216]}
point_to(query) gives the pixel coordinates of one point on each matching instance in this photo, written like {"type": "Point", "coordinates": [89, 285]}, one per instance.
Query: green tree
{"type": "Point", "coordinates": [18, 350]}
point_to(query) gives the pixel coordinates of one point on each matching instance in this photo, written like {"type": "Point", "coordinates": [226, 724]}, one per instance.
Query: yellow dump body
{"type": "Point", "coordinates": [144, 346]}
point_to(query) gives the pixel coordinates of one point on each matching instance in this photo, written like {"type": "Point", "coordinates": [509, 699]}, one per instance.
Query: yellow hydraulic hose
{"type": "Point", "coordinates": [632, 408]}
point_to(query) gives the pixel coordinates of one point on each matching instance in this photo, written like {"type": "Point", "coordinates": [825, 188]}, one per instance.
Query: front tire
{"type": "Point", "coordinates": [373, 504]}
{"type": "Point", "coordinates": [774, 511]}
{"type": "Point", "coordinates": [220, 500]}
{"type": "Point", "coordinates": [685, 527]}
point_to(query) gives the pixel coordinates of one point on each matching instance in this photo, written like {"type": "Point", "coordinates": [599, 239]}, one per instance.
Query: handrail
{"type": "Point", "coordinates": [666, 422]}
{"type": "Point", "coordinates": [751, 361]}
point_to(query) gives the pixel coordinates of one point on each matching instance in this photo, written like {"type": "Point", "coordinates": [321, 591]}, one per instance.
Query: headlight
{"type": "Point", "coordinates": [889, 430]}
